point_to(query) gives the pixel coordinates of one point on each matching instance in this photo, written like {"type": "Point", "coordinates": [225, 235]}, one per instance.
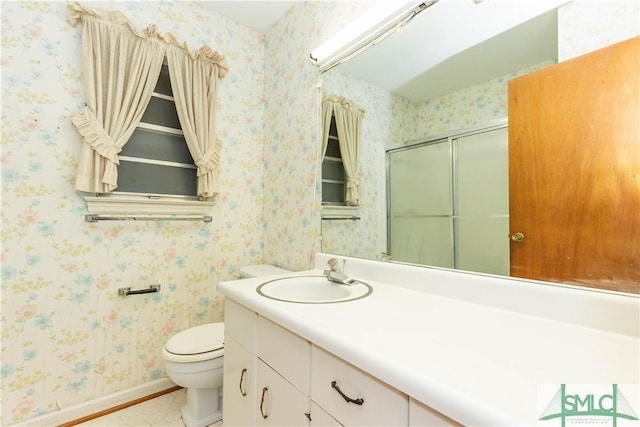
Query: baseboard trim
{"type": "Point", "coordinates": [103, 405]}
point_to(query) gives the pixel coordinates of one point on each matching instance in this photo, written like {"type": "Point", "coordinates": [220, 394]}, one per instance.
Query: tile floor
{"type": "Point", "coordinates": [162, 411]}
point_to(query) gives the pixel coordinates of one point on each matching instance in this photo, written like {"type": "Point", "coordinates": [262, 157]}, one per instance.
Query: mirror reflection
{"type": "Point", "coordinates": [430, 126]}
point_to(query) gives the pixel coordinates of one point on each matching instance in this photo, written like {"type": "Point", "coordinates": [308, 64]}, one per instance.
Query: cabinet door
{"type": "Point", "coordinates": [278, 402]}
{"type": "Point", "coordinates": [422, 415]}
{"type": "Point", "coordinates": [240, 323]}
{"type": "Point", "coordinates": [239, 384]}
{"type": "Point", "coordinates": [574, 170]}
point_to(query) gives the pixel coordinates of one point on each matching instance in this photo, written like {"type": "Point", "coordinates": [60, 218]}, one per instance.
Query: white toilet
{"type": "Point", "coordinates": [193, 359]}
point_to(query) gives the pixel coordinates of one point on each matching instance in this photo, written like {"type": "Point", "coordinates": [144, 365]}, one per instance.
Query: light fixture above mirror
{"type": "Point", "coordinates": [375, 25]}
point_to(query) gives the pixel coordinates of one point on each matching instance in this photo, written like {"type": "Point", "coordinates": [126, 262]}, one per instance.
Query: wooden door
{"type": "Point", "coordinates": [574, 170]}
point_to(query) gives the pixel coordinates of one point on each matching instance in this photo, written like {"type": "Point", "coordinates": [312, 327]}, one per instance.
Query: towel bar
{"type": "Point", "coordinates": [96, 218]}
{"type": "Point", "coordinates": [123, 292]}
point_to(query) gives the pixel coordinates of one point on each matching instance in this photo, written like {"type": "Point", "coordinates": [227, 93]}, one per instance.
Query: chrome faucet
{"type": "Point", "coordinates": [334, 273]}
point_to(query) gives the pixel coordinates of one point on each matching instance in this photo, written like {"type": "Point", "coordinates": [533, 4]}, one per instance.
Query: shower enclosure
{"type": "Point", "coordinates": [448, 201]}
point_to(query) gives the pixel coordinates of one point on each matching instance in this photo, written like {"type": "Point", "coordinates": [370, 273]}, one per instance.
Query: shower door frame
{"type": "Point", "coordinates": [448, 138]}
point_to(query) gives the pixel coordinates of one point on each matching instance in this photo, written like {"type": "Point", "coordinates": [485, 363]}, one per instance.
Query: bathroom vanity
{"type": "Point", "coordinates": [426, 347]}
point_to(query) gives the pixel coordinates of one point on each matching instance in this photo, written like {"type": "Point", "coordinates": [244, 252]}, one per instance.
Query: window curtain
{"type": "Point", "coordinates": [194, 82]}
{"type": "Point", "coordinates": [349, 126]}
{"type": "Point", "coordinates": [120, 70]}
{"type": "Point", "coordinates": [121, 66]}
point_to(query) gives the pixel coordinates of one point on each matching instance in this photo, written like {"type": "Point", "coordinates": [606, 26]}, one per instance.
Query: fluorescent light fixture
{"type": "Point", "coordinates": [378, 22]}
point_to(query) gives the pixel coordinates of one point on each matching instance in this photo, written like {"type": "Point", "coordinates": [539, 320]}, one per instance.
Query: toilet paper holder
{"type": "Point", "coordinates": [123, 292]}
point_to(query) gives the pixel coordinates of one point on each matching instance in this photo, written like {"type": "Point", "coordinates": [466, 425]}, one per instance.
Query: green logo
{"type": "Point", "coordinates": [588, 405]}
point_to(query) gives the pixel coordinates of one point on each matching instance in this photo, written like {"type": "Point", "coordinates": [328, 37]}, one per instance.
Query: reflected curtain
{"type": "Point", "coordinates": [349, 126]}
{"type": "Point", "coordinates": [194, 82]}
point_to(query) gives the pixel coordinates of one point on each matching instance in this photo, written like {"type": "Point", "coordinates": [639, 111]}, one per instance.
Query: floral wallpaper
{"type": "Point", "coordinates": [66, 336]}
{"type": "Point", "coordinates": [291, 154]}
{"type": "Point", "coordinates": [587, 25]}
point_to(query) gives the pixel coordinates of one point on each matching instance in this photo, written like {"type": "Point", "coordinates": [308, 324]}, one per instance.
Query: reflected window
{"type": "Point", "coordinates": [333, 175]}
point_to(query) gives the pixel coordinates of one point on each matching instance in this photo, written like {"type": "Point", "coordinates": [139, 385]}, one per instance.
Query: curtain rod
{"type": "Point", "coordinates": [97, 217]}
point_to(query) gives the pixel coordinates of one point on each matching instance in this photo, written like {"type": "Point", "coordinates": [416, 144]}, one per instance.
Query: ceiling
{"type": "Point", "coordinates": [259, 15]}
{"type": "Point", "coordinates": [456, 44]}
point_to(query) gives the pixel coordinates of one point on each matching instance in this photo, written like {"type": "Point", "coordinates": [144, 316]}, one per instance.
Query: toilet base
{"type": "Point", "coordinates": [203, 407]}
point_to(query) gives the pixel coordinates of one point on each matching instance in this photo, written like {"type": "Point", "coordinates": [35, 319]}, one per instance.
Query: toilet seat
{"type": "Point", "coordinates": [195, 344]}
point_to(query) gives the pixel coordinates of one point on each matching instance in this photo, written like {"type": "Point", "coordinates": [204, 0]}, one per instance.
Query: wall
{"type": "Point", "coordinates": [587, 25]}
{"type": "Point", "coordinates": [472, 106]}
{"type": "Point", "coordinates": [66, 336]}
{"type": "Point", "coordinates": [291, 155]}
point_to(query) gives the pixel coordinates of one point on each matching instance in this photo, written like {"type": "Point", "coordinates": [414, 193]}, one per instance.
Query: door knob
{"type": "Point", "coordinates": [517, 237]}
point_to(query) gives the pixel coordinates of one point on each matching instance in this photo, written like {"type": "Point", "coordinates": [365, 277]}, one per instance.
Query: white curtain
{"type": "Point", "coordinates": [349, 126]}
{"type": "Point", "coordinates": [194, 82]}
{"type": "Point", "coordinates": [121, 66]}
{"type": "Point", "coordinates": [120, 71]}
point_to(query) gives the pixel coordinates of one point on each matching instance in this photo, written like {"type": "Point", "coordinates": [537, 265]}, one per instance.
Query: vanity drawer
{"type": "Point", "coordinates": [240, 324]}
{"type": "Point", "coordinates": [382, 405]}
{"type": "Point", "coordinates": [286, 352]}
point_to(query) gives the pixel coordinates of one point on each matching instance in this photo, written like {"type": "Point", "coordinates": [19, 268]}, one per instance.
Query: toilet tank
{"type": "Point", "coordinates": [260, 270]}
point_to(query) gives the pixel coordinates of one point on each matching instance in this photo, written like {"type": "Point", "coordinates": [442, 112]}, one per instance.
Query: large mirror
{"type": "Point", "coordinates": [411, 102]}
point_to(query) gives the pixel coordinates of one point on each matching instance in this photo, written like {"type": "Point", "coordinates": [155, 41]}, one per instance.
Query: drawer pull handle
{"type": "Point", "coordinates": [264, 392]}
{"type": "Point", "coordinates": [358, 401]}
{"type": "Point", "coordinates": [244, 371]}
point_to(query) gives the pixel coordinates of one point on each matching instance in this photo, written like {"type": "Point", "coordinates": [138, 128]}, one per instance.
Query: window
{"type": "Point", "coordinates": [333, 176]}
{"type": "Point", "coordinates": [156, 160]}
{"type": "Point", "coordinates": [157, 173]}
{"type": "Point", "coordinates": [341, 172]}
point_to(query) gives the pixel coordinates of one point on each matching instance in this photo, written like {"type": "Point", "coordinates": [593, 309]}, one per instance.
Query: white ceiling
{"type": "Point", "coordinates": [259, 15]}
{"type": "Point", "coordinates": [456, 44]}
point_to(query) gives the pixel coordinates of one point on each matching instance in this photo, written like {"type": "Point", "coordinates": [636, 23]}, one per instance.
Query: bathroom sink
{"type": "Point", "coordinates": [312, 290]}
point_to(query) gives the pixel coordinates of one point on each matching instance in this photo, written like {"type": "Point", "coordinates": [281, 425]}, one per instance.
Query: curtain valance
{"type": "Point", "coordinates": [77, 12]}
{"type": "Point", "coordinates": [344, 103]}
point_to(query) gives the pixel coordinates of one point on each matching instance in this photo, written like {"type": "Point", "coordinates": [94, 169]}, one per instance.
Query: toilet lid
{"type": "Point", "coordinates": [197, 340]}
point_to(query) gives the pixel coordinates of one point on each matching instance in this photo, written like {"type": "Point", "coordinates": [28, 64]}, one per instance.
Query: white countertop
{"type": "Point", "coordinates": [477, 364]}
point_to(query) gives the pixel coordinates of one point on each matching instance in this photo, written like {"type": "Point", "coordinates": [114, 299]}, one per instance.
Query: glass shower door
{"type": "Point", "coordinates": [481, 220]}
{"type": "Point", "coordinates": [420, 208]}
